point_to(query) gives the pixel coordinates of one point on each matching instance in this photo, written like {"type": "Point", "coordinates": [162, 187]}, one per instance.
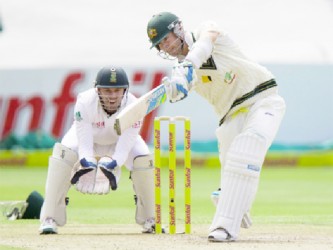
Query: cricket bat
{"type": "Point", "coordinates": [140, 108]}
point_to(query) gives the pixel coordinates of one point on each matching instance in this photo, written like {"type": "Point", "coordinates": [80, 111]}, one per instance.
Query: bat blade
{"type": "Point", "coordinates": [140, 108]}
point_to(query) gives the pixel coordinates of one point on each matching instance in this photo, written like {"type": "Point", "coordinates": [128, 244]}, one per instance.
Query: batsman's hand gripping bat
{"type": "Point", "coordinates": [140, 108]}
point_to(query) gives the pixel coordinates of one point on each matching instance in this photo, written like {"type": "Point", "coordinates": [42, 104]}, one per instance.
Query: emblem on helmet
{"type": "Point", "coordinates": [113, 77]}
{"type": "Point", "coordinates": [152, 33]}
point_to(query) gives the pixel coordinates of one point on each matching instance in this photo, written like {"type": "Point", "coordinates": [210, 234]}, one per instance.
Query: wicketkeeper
{"type": "Point", "coordinates": [245, 97]}
{"type": "Point", "coordinates": [91, 154]}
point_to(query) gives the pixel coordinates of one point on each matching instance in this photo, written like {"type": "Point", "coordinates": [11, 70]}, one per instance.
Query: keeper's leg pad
{"type": "Point", "coordinates": [58, 183]}
{"type": "Point", "coordinates": [142, 177]}
{"type": "Point", "coordinates": [239, 181]}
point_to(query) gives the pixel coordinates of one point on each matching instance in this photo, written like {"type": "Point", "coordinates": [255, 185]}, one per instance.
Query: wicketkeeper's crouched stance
{"type": "Point", "coordinates": [91, 154]}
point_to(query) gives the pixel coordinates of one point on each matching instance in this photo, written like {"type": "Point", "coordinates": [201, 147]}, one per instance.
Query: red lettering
{"type": "Point", "coordinates": [38, 111]}
{"type": "Point", "coordinates": [158, 214]}
{"type": "Point", "coordinates": [15, 105]}
{"type": "Point", "coordinates": [157, 178]}
{"type": "Point", "coordinates": [157, 136]}
{"type": "Point", "coordinates": [138, 78]}
{"type": "Point", "coordinates": [149, 119]}
{"type": "Point", "coordinates": [63, 102]}
{"type": "Point", "coordinates": [187, 213]}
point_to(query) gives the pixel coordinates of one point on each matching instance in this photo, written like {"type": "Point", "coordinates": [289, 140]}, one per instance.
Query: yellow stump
{"type": "Point", "coordinates": [172, 177]}
{"type": "Point", "coordinates": [172, 173]}
{"type": "Point", "coordinates": [187, 170]}
{"type": "Point", "coordinates": [157, 152]}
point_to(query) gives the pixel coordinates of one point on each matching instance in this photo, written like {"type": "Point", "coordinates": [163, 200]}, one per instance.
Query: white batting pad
{"type": "Point", "coordinates": [143, 185]}
{"type": "Point", "coordinates": [246, 221]}
{"type": "Point", "coordinates": [239, 181]}
{"type": "Point", "coordinates": [58, 183]}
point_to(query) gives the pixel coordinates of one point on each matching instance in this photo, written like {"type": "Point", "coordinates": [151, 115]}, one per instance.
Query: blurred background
{"type": "Point", "coordinates": [51, 50]}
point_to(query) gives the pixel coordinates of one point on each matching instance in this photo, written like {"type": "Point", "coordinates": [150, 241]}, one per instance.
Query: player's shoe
{"type": "Point", "coordinates": [149, 226]}
{"type": "Point", "coordinates": [48, 227]}
{"type": "Point", "coordinates": [246, 220]}
{"type": "Point", "coordinates": [220, 235]}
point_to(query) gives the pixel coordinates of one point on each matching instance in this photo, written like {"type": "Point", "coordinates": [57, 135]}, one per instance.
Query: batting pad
{"type": "Point", "coordinates": [58, 183]}
{"type": "Point", "coordinates": [239, 181]}
{"type": "Point", "coordinates": [143, 184]}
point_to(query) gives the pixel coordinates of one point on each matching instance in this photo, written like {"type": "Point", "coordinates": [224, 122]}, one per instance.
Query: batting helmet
{"type": "Point", "coordinates": [35, 202]}
{"type": "Point", "coordinates": [160, 26]}
{"type": "Point", "coordinates": [111, 77]}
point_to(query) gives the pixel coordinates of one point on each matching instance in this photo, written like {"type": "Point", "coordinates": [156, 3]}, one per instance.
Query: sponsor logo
{"type": "Point", "coordinates": [157, 178]}
{"type": "Point", "coordinates": [158, 212]}
{"type": "Point", "coordinates": [172, 215]}
{"type": "Point", "coordinates": [158, 97]}
{"type": "Point", "coordinates": [62, 154]}
{"type": "Point", "coordinates": [157, 135]}
{"type": "Point", "coordinates": [137, 124]}
{"type": "Point", "coordinates": [188, 139]}
{"type": "Point", "coordinates": [98, 124]}
{"type": "Point", "coordinates": [188, 214]}
{"type": "Point", "coordinates": [172, 179]}
{"type": "Point", "coordinates": [253, 167]}
{"type": "Point", "coordinates": [53, 113]}
{"type": "Point", "coordinates": [188, 177]}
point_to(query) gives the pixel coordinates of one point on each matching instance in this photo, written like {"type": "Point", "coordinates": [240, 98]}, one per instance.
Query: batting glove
{"type": "Point", "coordinates": [186, 71]}
{"type": "Point", "coordinates": [108, 167]}
{"type": "Point", "coordinates": [176, 88]}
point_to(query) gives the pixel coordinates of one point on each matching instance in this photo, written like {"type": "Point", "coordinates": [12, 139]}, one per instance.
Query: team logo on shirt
{"type": "Point", "coordinates": [229, 77]}
{"type": "Point", "coordinates": [78, 116]}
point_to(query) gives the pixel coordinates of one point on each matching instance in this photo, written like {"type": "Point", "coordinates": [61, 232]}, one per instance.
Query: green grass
{"type": "Point", "coordinates": [299, 195]}
{"type": "Point", "coordinates": [285, 195]}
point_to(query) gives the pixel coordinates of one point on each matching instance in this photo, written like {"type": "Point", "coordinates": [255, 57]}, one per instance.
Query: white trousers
{"type": "Point", "coordinates": [244, 139]}
{"type": "Point", "coordinates": [263, 117]}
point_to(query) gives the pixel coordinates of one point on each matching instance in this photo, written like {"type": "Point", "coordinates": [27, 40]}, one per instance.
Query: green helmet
{"type": "Point", "coordinates": [111, 77]}
{"type": "Point", "coordinates": [159, 26]}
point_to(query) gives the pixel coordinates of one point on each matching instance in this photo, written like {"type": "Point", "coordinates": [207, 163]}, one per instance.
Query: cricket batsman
{"type": "Point", "coordinates": [245, 98]}
{"type": "Point", "coordinates": [91, 154]}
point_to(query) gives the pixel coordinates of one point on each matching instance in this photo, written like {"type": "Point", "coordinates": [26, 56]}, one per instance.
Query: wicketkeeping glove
{"type": "Point", "coordinates": [108, 167]}
{"type": "Point", "coordinates": [87, 165]}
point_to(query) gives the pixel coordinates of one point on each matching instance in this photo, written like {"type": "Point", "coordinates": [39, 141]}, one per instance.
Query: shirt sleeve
{"type": "Point", "coordinates": [208, 26]}
{"type": "Point", "coordinates": [84, 130]}
{"type": "Point", "coordinates": [126, 142]}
